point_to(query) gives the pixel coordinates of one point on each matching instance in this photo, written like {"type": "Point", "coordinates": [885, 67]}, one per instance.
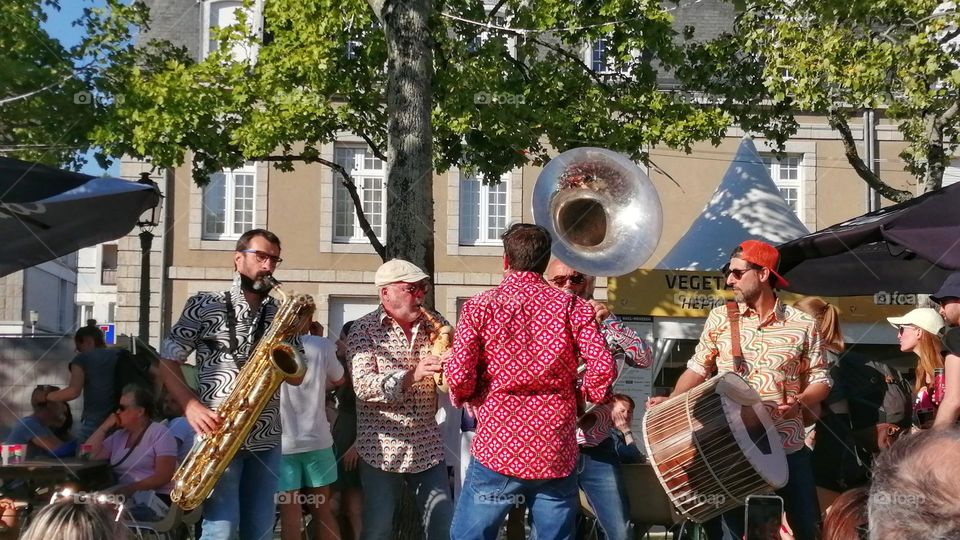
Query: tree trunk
{"type": "Point", "coordinates": [409, 210]}
{"type": "Point", "coordinates": [409, 133]}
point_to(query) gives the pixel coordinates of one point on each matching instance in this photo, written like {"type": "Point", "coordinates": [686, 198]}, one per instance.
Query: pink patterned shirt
{"type": "Point", "coordinates": [515, 358]}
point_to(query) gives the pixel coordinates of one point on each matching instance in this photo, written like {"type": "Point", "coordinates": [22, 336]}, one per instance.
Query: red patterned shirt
{"type": "Point", "coordinates": [781, 354]}
{"type": "Point", "coordinates": [515, 358]}
{"type": "Point", "coordinates": [396, 428]}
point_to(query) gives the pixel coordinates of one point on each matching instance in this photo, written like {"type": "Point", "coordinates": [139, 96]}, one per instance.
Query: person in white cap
{"type": "Point", "coordinates": [918, 332]}
{"type": "Point", "coordinates": [397, 434]}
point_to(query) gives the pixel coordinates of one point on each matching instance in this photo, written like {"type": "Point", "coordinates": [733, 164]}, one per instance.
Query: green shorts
{"type": "Point", "coordinates": [317, 468]}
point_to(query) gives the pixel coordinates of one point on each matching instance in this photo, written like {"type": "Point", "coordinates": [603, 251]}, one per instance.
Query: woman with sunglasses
{"type": "Point", "coordinates": [142, 452]}
{"type": "Point", "coordinates": [918, 332]}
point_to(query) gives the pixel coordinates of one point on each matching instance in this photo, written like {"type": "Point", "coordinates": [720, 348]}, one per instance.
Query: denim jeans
{"type": "Point", "coordinates": [799, 503]}
{"type": "Point", "coordinates": [87, 427]}
{"type": "Point", "coordinates": [382, 491]}
{"type": "Point", "coordinates": [601, 483]}
{"type": "Point", "coordinates": [488, 496]}
{"type": "Point", "coordinates": [243, 504]}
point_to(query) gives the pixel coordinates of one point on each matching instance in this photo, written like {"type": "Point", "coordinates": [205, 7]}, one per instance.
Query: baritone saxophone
{"type": "Point", "coordinates": [272, 361]}
{"type": "Point", "coordinates": [441, 337]}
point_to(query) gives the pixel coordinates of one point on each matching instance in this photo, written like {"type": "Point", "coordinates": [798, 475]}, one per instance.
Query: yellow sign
{"type": "Point", "coordinates": [679, 293]}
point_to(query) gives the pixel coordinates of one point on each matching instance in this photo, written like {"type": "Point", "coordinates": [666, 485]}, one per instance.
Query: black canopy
{"type": "Point", "coordinates": [910, 247]}
{"type": "Point", "coordinates": [46, 213]}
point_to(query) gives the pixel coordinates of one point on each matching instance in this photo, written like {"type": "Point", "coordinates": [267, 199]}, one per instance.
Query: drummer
{"type": "Point", "coordinates": [781, 360]}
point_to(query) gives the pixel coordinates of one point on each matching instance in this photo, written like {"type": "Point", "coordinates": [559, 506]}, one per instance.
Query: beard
{"type": "Point", "coordinates": [257, 286]}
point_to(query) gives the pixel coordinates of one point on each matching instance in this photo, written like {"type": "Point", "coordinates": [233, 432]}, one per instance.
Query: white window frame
{"type": "Point", "coordinates": [502, 20]}
{"type": "Point", "coordinates": [774, 167]}
{"type": "Point", "coordinates": [255, 19]}
{"type": "Point", "coordinates": [230, 227]}
{"type": "Point", "coordinates": [483, 234]}
{"type": "Point", "coordinates": [360, 174]}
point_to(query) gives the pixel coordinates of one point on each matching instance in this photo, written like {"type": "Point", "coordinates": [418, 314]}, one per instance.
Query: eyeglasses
{"type": "Point", "coordinates": [414, 288]}
{"type": "Point", "coordinates": [123, 407]}
{"type": "Point", "coordinates": [263, 257]}
{"type": "Point", "coordinates": [575, 278]}
{"type": "Point", "coordinates": [737, 273]}
{"type": "Point", "coordinates": [900, 328]}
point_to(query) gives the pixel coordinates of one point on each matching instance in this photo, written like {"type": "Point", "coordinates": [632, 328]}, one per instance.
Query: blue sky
{"type": "Point", "coordinates": [60, 25]}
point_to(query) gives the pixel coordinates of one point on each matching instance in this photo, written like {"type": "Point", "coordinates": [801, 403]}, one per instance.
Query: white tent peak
{"type": "Point", "coordinates": [746, 205]}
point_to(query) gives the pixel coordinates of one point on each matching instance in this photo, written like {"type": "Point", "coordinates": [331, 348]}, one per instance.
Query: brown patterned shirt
{"type": "Point", "coordinates": [396, 429]}
{"type": "Point", "coordinates": [781, 354]}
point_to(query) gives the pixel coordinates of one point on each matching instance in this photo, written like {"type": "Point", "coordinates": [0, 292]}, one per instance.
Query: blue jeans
{"type": "Point", "coordinates": [243, 501]}
{"type": "Point", "coordinates": [601, 483]}
{"type": "Point", "coordinates": [382, 491]}
{"type": "Point", "coordinates": [87, 427]}
{"type": "Point", "coordinates": [799, 503]}
{"type": "Point", "coordinates": [488, 496]}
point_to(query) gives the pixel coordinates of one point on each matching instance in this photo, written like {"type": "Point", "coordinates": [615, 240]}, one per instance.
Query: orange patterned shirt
{"type": "Point", "coordinates": [781, 355]}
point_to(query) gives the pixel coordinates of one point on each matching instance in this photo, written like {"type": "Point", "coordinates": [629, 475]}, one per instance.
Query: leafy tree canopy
{"type": "Point", "coordinates": [839, 57]}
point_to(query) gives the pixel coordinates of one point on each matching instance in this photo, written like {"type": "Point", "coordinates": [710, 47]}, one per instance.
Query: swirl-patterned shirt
{"type": "Point", "coordinates": [203, 328]}
{"type": "Point", "coordinates": [515, 357]}
{"type": "Point", "coordinates": [397, 428]}
{"type": "Point", "coordinates": [782, 358]}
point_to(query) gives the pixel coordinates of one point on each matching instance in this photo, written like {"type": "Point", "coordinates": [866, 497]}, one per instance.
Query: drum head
{"type": "Point", "coordinates": [753, 429]}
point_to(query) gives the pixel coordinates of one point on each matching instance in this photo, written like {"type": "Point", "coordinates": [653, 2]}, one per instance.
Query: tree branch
{"type": "Point", "coordinates": [839, 123]}
{"type": "Point", "coordinates": [351, 189]}
{"type": "Point", "coordinates": [570, 56]}
{"type": "Point", "coordinates": [377, 151]}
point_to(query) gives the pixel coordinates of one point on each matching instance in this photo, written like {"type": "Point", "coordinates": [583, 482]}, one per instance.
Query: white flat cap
{"type": "Point", "coordinates": [398, 271]}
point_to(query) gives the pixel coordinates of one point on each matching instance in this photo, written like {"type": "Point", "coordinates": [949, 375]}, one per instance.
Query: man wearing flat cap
{"type": "Point", "coordinates": [397, 434]}
{"type": "Point", "coordinates": [948, 298]}
{"type": "Point", "coordinates": [780, 358]}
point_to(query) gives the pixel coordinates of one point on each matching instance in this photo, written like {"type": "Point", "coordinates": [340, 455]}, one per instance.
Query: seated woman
{"type": "Point", "coordinates": [141, 451]}
{"type": "Point", "coordinates": [45, 432]}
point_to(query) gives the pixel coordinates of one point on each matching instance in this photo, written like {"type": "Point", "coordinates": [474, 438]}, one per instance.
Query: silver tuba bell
{"type": "Point", "coordinates": [601, 210]}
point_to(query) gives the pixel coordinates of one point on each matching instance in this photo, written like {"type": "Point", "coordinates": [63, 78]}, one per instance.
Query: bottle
{"type": "Point", "coordinates": [939, 386]}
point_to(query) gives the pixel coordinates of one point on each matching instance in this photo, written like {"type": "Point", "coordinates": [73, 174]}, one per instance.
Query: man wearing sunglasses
{"type": "Point", "coordinates": [948, 298]}
{"type": "Point", "coordinates": [598, 471]}
{"type": "Point", "coordinates": [398, 438]}
{"type": "Point", "coordinates": [781, 360]}
{"type": "Point", "coordinates": [223, 329]}
{"type": "Point", "coordinates": [515, 362]}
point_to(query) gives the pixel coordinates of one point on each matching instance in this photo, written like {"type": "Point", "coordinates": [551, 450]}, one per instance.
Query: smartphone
{"type": "Point", "coordinates": [763, 517]}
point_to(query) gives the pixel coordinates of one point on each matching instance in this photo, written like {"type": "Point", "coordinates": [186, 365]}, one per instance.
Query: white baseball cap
{"type": "Point", "coordinates": [398, 271]}
{"type": "Point", "coordinates": [928, 319]}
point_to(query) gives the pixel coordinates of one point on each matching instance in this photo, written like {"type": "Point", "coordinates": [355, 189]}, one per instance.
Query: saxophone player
{"type": "Point", "coordinates": [223, 329]}
{"type": "Point", "coordinates": [398, 439]}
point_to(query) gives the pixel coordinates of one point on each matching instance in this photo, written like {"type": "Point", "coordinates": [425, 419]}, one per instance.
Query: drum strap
{"type": "Point", "coordinates": [733, 315]}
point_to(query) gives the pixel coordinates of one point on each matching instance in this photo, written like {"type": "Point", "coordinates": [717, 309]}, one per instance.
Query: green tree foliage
{"type": "Point", "coordinates": [839, 57]}
{"type": "Point", "coordinates": [501, 95]}
{"type": "Point", "coordinates": [49, 98]}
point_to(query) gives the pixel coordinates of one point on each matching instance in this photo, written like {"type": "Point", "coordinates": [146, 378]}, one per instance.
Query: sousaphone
{"type": "Point", "coordinates": [601, 210]}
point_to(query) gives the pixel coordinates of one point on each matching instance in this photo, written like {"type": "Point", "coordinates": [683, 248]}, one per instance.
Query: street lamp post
{"type": "Point", "coordinates": [148, 220]}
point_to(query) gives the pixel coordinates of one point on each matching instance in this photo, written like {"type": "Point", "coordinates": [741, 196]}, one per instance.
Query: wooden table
{"type": "Point", "coordinates": [41, 476]}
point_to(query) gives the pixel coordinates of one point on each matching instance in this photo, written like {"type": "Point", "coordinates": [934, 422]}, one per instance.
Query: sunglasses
{"type": "Point", "coordinates": [414, 288]}
{"type": "Point", "coordinates": [263, 256]}
{"type": "Point", "coordinates": [737, 273]}
{"type": "Point", "coordinates": [902, 327]}
{"type": "Point", "coordinates": [575, 278]}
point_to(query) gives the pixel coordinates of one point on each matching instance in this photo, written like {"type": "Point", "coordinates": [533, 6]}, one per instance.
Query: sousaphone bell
{"type": "Point", "coordinates": [601, 210]}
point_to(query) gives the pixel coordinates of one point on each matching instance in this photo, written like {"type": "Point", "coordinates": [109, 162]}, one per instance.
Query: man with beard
{"type": "Point", "coordinates": [398, 439]}
{"type": "Point", "coordinates": [781, 360]}
{"type": "Point", "coordinates": [223, 328]}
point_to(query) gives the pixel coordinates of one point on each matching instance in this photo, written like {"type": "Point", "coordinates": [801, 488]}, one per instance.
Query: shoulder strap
{"type": "Point", "coordinates": [132, 448]}
{"type": "Point", "coordinates": [231, 323]}
{"type": "Point", "coordinates": [733, 315]}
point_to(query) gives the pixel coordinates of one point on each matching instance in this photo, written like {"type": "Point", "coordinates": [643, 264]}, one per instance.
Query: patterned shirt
{"type": "Point", "coordinates": [516, 353]}
{"type": "Point", "coordinates": [627, 348]}
{"type": "Point", "coordinates": [397, 428]}
{"type": "Point", "coordinates": [203, 328]}
{"type": "Point", "coordinates": [782, 357]}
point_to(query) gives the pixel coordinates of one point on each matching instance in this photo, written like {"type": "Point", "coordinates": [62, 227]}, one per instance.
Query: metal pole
{"type": "Point", "coordinates": [871, 150]}
{"type": "Point", "coordinates": [146, 241]}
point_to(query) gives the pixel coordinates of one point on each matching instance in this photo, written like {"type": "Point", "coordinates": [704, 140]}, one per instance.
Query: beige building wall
{"type": "Point", "coordinates": [298, 206]}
